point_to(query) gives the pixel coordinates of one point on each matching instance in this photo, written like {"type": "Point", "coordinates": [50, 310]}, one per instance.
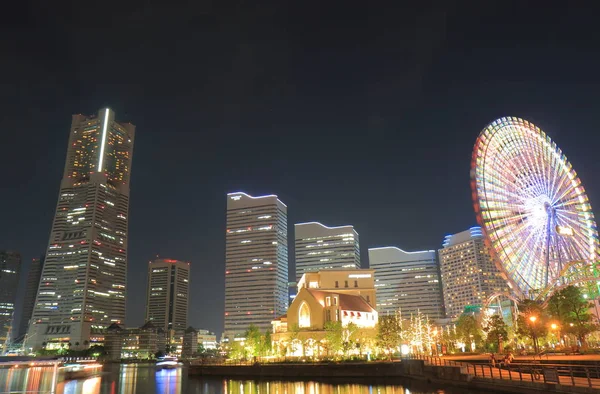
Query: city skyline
{"type": "Point", "coordinates": [10, 270]}
{"type": "Point", "coordinates": [407, 282]}
{"type": "Point", "coordinates": [368, 118]}
{"type": "Point", "coordinates": [83, 286]}
{"type": "Point", "coordinates": [256, 262]}
{"type": "Point", "coordinates": [322, 247]}
{"type": "Point", "coordinates": [34, 274]}
{"type": "Point", "coordinates": [167, 294]}
{"type": "Point", "coordinates": [468, 274]}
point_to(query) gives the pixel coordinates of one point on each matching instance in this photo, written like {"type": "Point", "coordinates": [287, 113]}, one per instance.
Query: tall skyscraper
{"type": "Point", "coordinates": [407, 281]}
{"type": "Point", "coordinates": [469, 275]}
{"type": "Point", "coordinates": [10, 268]}
{"type": "Point", "coordinates": [31, 290]}
{"type": "Point", "coordinates": [319, 247]}
{"type": "Point", "coordinates": [256, 262]}
{"type": "Point", "coordinates": [168, 294]}
{"type": "Point", "coordinates": [83, 284]}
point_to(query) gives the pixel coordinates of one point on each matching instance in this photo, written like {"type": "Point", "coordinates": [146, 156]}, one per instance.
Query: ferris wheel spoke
{"type": "Point", "coordinates": [566, 188]}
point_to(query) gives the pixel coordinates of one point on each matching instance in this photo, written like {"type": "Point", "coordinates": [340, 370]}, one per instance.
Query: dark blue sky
{"type": "Point", "coordinates": [352, 113]}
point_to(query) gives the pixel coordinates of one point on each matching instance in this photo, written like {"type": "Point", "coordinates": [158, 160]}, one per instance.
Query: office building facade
{"type": "Point", "coordinates": [256, 262]}
{"type": "Point", "coordinates": [469, 276]}
{"type": "Point", "coordinates": [407, 282]}
{"type": "Point", "coordinates": [319, 247]}
{"type": "Point", "coordinates": [83, 285]}
{"type": "Point", "coordinates": [167, 294]}
{"type": "Point", "coordinates": [10, 269]}
{"type": "Point", "coordinates": [31, 290]}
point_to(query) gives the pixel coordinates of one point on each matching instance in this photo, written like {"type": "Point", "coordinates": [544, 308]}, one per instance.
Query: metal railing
{"type": "Point", "coordinates": [564, 374]}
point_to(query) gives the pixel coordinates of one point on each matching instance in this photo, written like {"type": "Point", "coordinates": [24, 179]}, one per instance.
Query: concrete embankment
{"type": "Point", "coordinates": [377, 372]}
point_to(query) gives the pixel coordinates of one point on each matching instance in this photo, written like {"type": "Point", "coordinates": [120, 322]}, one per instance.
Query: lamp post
{"type": "Point", "coordinates": [532, 319]}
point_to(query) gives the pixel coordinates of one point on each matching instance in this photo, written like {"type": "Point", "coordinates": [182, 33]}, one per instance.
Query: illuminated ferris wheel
{"type": "Point", "coordinates": [531, 205]}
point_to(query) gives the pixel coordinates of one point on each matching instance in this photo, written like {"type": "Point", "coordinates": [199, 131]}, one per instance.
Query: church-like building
{"type": "Point", "coordinates": [338, 296]}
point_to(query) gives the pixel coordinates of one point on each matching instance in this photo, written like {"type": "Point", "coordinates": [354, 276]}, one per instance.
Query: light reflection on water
{"type": "Point", "coordinates": [145, 379]}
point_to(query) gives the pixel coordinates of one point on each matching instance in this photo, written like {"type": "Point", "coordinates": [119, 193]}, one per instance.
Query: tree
{"type": "Point", "coordinates": [237, 351]}
{"type": "Point", "coordinates": [254, 341]}
{"type": "Point", "coordinates": [334, 337]}
{"type": "Point", "coordinates": [348, 334]}
{"type": "Point", "coordinates": [571, 309]}
{"type": "Point", "coordinates": [266, 344]}
{"type": "Point", "coordinates": [365, 339]}
{"type": "Point", "coordinates": [95, 351]}
{"type": "Point", "coordinates": [532, 321]}
{"type": "Point", "coordinates": [496, 330]}
{"type": "Point", "coordinates": [467, 329]}
{"type": "Point", "coordinates": [388, 333]}
{"type": "Point", "coordinates": [200, 350]}
{"type": "Point", "coordinates": [293, 339]}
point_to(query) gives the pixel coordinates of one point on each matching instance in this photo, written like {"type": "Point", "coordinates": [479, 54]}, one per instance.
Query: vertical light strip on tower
{"type": "Point", "coordinates": [104, 127]}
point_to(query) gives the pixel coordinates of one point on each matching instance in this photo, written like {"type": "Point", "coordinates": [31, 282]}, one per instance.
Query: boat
{"type": "Point", "coordinates": [81, 370]}
{"type": "Point", "coordinates": [168, 362]}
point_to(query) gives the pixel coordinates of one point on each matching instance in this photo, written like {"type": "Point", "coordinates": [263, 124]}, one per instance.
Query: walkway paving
{"type": "Point", "coordinates": [566, 374]}
{"type": "Point", "coordinates": [580, 357]}
{"type": "Point", "coordinates": [486, 371]}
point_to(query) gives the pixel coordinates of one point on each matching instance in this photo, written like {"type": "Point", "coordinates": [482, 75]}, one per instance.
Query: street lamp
{"type": "Point", "coordinates": [533, 319]}
{"type": "Point", "coordinates": [535, 345]}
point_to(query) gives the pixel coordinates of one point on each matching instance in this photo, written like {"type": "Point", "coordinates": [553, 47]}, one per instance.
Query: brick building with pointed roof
{"type": "Point", "coordinates": [321, 299]}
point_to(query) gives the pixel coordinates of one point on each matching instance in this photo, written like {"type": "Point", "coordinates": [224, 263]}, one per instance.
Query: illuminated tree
{"type": "Point", "coordinates": [467, 330]}
{"type": "Point", "coordinates": [571, 309]}
{"type": "Point", "coordinates": [293, 339]}
{"type": "Point", "coordinates": [334, 337]}
{"type": "Point", "coordinates": [266, 344]}
{"type": "Point", "coordinates": [532, 321]}
{"type": "Point", "coordinates": [237, 351]}
{"type": "Point", "coordinates": [420, 333]}
{"type": "Point", "coordinates": [496, 330]}
{"type": "Point", "coordinates": [254, 341]}
{"type": "Point", "coordinates": [389, 331]}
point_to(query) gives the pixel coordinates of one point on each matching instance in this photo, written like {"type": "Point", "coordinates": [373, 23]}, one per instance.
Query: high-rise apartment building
{"type": "Point", "coordinates": [83, 285]}
{"type": "Point", "coordinates": [407, 282]}
{"type": "Point", "coordinates": [167, 294]}
{"type": "Point", "coordinates": [469, 275]}
{"type": "Point", "coordinates": [10, 268]}
{"type": "Point", "coordinates": [319, 247]}
{"type": "Point", "coordinates": [256, 262]}
{"type": "Point", "coordinates": [31, 290]}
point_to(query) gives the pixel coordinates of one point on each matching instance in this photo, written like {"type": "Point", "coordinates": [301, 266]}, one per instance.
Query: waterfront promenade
{"type": "Point", "coordinates": [469, 372]}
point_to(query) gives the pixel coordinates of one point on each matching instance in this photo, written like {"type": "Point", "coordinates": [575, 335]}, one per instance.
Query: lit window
{"type": "Point", "coordinates": [304, 316]}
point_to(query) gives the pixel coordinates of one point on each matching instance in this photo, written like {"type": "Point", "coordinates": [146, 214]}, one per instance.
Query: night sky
{"type": "Point", "coordinates": [353, 114]}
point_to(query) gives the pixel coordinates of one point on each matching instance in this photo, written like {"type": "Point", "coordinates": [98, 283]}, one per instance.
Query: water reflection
{"type": "Point", "coordinates": [34, 379]}
{"type": "Point", "coordinates": [253, 387]}
{"type": "Point", "coordinates": [146, 379]}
